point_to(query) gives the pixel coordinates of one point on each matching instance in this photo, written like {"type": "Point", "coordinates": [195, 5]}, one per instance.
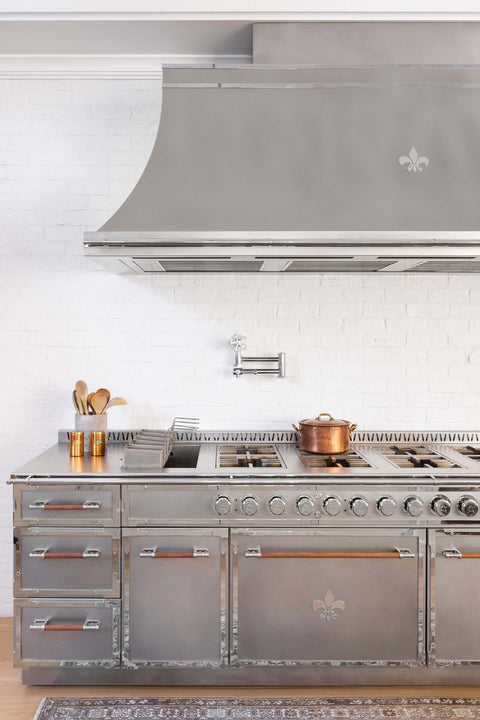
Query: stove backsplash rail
{"type": "Point", "coordinates": [289, 436]}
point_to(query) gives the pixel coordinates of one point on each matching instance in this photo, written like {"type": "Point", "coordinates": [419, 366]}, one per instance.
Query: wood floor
{"type": "Point", "coordinates": [19, 702]}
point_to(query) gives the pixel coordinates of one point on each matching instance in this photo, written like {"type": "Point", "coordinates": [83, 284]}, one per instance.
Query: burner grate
{"type": "Point", "coordinates": [470, 451]}
{"type": "Point", "coordinates": [248, 456]}
{"type": "Point", "coordinates": [415, 456]}
{"type": "Point", "coordinates": [342, 460]}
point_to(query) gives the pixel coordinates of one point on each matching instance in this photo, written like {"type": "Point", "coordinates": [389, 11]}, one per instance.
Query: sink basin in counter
{"type": "Point", "coordinates": [183, 456]}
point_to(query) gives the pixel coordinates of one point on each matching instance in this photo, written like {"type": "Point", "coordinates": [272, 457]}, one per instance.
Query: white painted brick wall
{"type": "Point", "coordinates": [383, 351]}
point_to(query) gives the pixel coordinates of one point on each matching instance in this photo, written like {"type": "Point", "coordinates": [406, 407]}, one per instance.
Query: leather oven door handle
{"type": "Point", "coordinates": [397, 554]}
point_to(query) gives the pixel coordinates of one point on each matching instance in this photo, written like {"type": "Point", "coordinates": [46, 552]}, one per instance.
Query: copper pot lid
{"type": "Point", "coordinates": [320, 422]}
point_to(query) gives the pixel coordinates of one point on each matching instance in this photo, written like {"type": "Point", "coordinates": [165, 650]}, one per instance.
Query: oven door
{"type": "Point", "coordinates": [454, 593]}
{"type": "Point", "coordinates": [327, 597]}
{"type": "Point", "coordinates": [175, 589]}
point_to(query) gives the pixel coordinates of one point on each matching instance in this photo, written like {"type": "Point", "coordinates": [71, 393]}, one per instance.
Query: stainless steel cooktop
{"type": "Point", "coordinates": [243, 455]}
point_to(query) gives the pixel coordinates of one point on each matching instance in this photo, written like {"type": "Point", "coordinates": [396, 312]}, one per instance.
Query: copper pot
{"type": "Point", "coordinates": [325, 435]}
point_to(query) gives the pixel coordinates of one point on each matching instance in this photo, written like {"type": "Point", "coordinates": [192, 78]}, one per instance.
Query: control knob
{"type": "Point", "coordinates": [249, 505]}
{"type": "Point", "coordinates": [413, 506]}
{"type": "Point", "coordinates": [332, 505]}
{"type": "Point", "coordinates": [223, 505]}
{"type": "Point", "coordinates": [276, 505]}
{"type": "Point", "coordinates": [359, 506]}
{"type": "Point", "coordinates": [468, 506]}
{"type": "Point", "coordinates": [386, 505]}
{"type": "Point", "coordinates": [305, 505]}
{"type": "Point", "coordinates": [441, 505]}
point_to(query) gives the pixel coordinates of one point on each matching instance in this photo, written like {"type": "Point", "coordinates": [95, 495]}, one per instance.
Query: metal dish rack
{"type": "Point", "coordinates": [150, 449]}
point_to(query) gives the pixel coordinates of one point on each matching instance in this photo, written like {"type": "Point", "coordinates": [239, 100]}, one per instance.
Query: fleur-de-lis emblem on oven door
{"type": "Point", "coordinates": [328, 606]}
{"type": "Point", "coordinates": [414, 161]}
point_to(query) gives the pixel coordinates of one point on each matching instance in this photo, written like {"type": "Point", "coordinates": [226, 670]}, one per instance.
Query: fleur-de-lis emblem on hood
{"type": "Point", "coordinates": [414, 161]}
{"type": "Point", "coordinates": [328, 606]}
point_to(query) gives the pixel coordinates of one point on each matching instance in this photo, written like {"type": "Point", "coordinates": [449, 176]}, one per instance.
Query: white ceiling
{"type": "Point", "coordinates": [234, 8]}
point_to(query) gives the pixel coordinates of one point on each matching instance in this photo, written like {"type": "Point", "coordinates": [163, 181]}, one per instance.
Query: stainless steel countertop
{"type": "Point", "coordinates": [56, 464]}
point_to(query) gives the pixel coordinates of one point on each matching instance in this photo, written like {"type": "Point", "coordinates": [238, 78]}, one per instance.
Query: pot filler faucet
{"type": "Point", "coordinates": [239, 343]}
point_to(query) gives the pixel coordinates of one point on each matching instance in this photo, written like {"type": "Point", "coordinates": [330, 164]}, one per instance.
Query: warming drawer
{"type": "Point", "coordinates": [67, 633]}
{"type": "Point", "coordinates": [44, 504]}
{"type": "Point", "coordinates": [327, 597]}
{"type": "Point", "coordinates": [56, 562]}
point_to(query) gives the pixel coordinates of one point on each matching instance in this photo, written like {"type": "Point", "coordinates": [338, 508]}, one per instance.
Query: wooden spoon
{"type": "Point", "coordinates": [75, 403]}
{"type": "Point", "coordinates": [115, 401]}
{"type": "Point", "coordinates": [106, 395]}
{"type": "Point", "coordinates": [89, 403]}
{"type": "Point", "coordinates": [99, 400]}
{"type": "Point", "coordinates": [82, 394]}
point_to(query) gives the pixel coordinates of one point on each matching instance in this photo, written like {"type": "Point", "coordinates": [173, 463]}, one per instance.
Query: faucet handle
{"type": "Point", "coordinates": [238, 342]}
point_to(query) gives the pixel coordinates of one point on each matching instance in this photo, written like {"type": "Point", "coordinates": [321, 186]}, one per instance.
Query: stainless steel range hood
{"type": "Point", "coordinates": [372, 168]}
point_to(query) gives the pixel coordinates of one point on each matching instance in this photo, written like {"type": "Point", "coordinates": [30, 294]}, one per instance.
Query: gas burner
{"type": "Point", "coordinates": [470, 451]}
{"type": "Point", "coordinates": [341, 460]}
{"type": "Point", "coordinates": [248, 456]}
{"type": "Point", "coordinates": [415, 456]}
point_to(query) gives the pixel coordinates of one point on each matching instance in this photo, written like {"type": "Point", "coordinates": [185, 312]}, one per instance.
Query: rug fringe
{"type": "Point", "coordinates": [40, 709]}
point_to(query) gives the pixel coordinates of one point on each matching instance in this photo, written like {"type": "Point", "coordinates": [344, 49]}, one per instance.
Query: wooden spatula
{"type": "Point", "coordinates": [115, 401]}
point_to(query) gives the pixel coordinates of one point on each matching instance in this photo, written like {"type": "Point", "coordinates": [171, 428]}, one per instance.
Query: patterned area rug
{"type": "Point", "coordinates": [265, 709]}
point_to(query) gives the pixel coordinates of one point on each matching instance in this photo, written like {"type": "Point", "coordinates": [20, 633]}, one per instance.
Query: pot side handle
{"type": "Point", "coordinates": [297, 429]}
{"type": "Point", "coordinates": [352, 428]}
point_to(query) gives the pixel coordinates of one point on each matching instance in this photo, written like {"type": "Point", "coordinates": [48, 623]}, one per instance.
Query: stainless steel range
{"type": "Point", "coordinates": [246, 560]}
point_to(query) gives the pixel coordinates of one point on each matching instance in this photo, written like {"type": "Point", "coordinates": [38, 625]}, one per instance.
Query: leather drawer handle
{"type": "Point", "coordinates": [45, 505]}
{"type": "Point", "coordinates": [394, 555]}
{"type": "Point", "coordinates": [457, 555]}
{"type": "Point", "coordinates": [46, 554]}
{"type": "Point", "coordinates": [154, 553]}
{"type": "Point", "coordinates": [45, 626]}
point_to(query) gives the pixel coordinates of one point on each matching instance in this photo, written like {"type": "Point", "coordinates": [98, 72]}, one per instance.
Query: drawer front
{"type": "Point", "coordinates": [69, 633]}
{"type": "Point", "coordinates": [67, 505]}
{"type": "Point", "coordinates": [56, 562]}
{"type": "Point", "coordinates": [169, 505]}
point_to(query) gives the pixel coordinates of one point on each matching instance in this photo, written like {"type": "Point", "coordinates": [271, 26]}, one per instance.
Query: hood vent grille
{"type": "Point", "coordinates": [125, 260]}
{"type": "Point", "coordinates": [340, 265]}
{"type": "Point", "coordinates": [448, 266]}
{"type": "Point", "coordinates": [194, 265]}
{"type": "Point", "coordinates": [210, 265]}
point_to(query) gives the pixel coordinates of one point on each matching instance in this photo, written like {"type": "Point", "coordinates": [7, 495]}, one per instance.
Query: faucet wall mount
{"type": "Point", "coordinates": [239, 343]}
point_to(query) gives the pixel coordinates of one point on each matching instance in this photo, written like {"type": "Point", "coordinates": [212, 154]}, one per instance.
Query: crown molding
{"type": "Point", "coordinates": [423, 11]}
{"type": "Point", "coordinates": [103, 66]}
